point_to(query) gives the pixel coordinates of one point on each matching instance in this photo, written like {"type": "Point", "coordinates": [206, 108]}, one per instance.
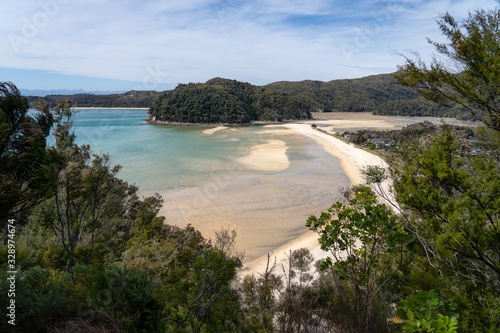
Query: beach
{"type": "Point", "coordinates": [265, 196]}
{"type": "Point", "coordinates": [269, 208]}
{"type": "Point", "coordinates": [351, 159]}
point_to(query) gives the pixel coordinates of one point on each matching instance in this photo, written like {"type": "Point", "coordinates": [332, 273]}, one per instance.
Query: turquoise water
{"type": "Point", "coordinates": [203, 184]}
{"type": "Point", "coordinates": [158, 158]}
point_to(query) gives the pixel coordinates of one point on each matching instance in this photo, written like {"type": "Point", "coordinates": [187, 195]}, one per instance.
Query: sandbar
{"type": "Point", "coordinates": [214, 130]}
{"type": "Point", "coordinates": [269, 211]}
{"type": "Point", "coordinates": [352, 160]}
{"type": "Point", "coordinates": [270, 156]}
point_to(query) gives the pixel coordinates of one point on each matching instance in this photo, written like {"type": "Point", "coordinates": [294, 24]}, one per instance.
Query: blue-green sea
{"type": "Point", "coordinates": [203, 184]}
{"type": "Point", "coordinates": [158, 158]}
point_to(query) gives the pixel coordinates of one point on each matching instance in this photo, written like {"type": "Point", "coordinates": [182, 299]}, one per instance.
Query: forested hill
{"type": "Point", "coordinates": [378, 94]}
{"type": "Point", "coordinates": [130, 99]}
{"type": "Point", "coordinates": [230, 101]}
{"type": "Point", "coordinates": [226, 101]}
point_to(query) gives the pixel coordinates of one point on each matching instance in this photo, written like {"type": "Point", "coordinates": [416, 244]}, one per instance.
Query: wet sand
{"type": "Point", "coordinates": [214, 130]}
{"type": "Point", "coordinates": [269, 209]}
{"type": "Point", "coordinates": [352, 160]}
{"type": "Point", "coordinates": [267, 157]}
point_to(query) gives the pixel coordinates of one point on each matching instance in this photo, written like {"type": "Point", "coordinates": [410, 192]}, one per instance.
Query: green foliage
{"type": "Point", "coordinates": [25, 163]}
{"type": "Point", "coordinates": [449, 195]}
{"type": "Point", "coordinates": [474, 50]}
{"type": "Point", "coordinates": [426, 313]}
{"type": "Point", "coordinates": [367, 245]}
{"type": "Point", "coordinates": [225, 101]}
{"type": "Point", "coordinates": [89, 200]}
{"type": "Point", "coordinates": [260, 302]}
{"type": "Point", "coordinates": [129, 298]}
{"type": "Point", "coordinates": [197, 291]}
{"type": "Point", "coordinates": [43, 298]}
{"type": "Point", "coordinates": [451, 206]}
{"type": "Point", "coordinates": [362, 228]}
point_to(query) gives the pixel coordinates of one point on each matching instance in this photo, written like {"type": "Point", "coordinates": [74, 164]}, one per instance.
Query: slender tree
{"type": "Point", "coordinates": [449, 195]}
{"type": "Point", "coordinates": [25, 161]}
{"type": "Point", "coordinates": [469, 75]}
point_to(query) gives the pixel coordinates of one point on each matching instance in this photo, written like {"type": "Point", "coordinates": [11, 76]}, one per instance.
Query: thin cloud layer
{"type": "Point", "coordinates": [154, 42]}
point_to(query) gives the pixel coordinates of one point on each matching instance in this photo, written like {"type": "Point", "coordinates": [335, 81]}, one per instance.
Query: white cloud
{"type": "Point", "coordinates": [194, 40]}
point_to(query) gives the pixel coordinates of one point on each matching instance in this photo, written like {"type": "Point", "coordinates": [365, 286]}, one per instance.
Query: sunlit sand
{"type": "Point", "coordinates": [267, 157]}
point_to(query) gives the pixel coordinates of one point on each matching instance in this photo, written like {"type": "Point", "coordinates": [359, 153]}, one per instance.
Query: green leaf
{"type": "Point", "coordinates": [410, 315]}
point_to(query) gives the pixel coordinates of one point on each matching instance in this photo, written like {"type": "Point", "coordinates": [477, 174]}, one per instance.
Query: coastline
{"type": "Point", "coordinates": [251, 123]}
{"type": "Point", "coordinates": [171, 123]}
{"type": "Point", "coordinates": [351, 159]}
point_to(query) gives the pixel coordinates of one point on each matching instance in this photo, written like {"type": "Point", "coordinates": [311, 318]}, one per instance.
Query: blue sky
{"type": "Point", "coordinates": [156, 44]}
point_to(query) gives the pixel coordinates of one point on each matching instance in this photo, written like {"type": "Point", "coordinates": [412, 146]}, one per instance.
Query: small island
{"type": "Point", "coordinates": [224, 101]}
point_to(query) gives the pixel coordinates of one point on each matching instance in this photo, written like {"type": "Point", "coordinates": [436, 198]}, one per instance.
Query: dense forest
{"type": "Point", "coordinates": [82, 252]}
{"type": "Point", "coordinates": [226, 101]}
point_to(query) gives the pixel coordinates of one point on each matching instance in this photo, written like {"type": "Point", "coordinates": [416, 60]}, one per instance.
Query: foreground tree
{"type": "Point", "coordinates": [25, 163]}
{"type": "Point", "coordinates": [88, 197]}
{"type": "Point", "coordinates": [367, 245]}
{"type": "Point", "coordinates": [449, 195]}
{"type": "Point", "coordinates": [470, 75]}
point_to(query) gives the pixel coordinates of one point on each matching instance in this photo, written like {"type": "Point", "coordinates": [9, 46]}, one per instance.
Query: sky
{"type": "Point", "coordinates": [155, 44]}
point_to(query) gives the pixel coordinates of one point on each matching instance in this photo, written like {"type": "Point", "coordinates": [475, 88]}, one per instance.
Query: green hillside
{"type": "Point", "coordinates": [230, 101]}
{"type": "Point", "coordinates": [379, 94]}
{"type": "Point", "coordinates": [226, 101]}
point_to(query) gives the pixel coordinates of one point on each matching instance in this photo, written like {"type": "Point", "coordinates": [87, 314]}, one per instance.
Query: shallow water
{"type": "Point", "coordinates": [204, 185]}
{"type": "Point", "coordinates": [159, 158]}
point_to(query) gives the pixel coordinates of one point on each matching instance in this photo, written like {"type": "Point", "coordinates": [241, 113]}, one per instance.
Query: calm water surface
{"type": "Point", "coordinates": [158, 158]}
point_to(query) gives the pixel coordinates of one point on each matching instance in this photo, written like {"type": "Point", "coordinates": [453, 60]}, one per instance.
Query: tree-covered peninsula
{"type": "Point", "coordinates": [225, 101]}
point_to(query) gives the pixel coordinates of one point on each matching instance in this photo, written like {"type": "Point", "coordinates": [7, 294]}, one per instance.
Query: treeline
{"type": "Point", "coordinates": [378, 94]}
{"type": "Point", "coordinates": [226, 101]}
{"type": "Point", "coordinates": [420, 107]}
{"type": "Point", "coordinates": [130, 99]}
{"type": "Point", "coordinates": [231, 101]}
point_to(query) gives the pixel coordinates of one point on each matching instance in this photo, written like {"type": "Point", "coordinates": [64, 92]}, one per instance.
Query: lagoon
{"type": "Point", "coordinates": [202, 182]}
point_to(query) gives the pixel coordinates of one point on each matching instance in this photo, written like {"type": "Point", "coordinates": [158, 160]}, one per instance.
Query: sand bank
{"type": "Point", "coordinates": [270, 156]}
{"type": "Point", "coordinates": [352, 161]}
{"type": "Point", "coordinates": [214, 130]}
{"type": "Point", "coordinates": [267, 208]}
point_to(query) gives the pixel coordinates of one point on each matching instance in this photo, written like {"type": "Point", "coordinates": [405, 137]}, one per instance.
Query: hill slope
{"type": "Point", "coordinates": [230, 101]}
{"type": "Point", "coordinates": [377, 93]}
{"type": "Point", "coordinates": [226, 101]}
